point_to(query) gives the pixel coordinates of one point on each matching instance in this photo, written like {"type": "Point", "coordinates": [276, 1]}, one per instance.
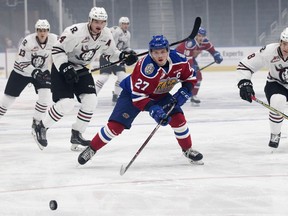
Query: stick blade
{"type": "Point", "coordinates": [122, 170]}
{"type": "Point", "coordinates": [197, 24]}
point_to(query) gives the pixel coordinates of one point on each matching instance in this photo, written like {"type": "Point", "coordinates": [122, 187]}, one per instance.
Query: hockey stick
{"type": "Point", "coordinates": [207, 65]}
{"type": "Point", "coordinates": [197, 24]}
{"type": "Point", "coordinates": [269, 107]}
{"type": "Point", "coordinates": [124, 169]}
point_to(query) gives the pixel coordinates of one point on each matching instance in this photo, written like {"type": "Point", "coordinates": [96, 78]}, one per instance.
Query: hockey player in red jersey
{"type": "Point", "coordinates": [73, 52]}
{"type": "Point", "coordinates": [147, 89]}
{"type": "Point", "coordinates": [191, 49]}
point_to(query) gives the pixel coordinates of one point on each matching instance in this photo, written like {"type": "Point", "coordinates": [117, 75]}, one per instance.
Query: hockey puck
{"type": "Point", "coordinates": [53, 205]}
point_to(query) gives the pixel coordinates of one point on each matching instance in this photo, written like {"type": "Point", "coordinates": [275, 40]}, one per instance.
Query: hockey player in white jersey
{"type": "Point", "coordinates": [77, 46]}
{"type": "Point", "coordinates": [32, 65]}
{"type": "Point", "coordinates": [275, 57]}
{"type": "Point", "coordinates": [122, 37]}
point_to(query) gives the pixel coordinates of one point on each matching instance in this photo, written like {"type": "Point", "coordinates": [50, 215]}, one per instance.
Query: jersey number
{"type": "Point", "coordinates": [142, 85]}
{"type": "Point", "coordinates": [251, 56]}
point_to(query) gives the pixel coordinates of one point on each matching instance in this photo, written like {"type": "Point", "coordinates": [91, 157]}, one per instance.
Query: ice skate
{"type": "Point", "coordinates": [194, 157]}
{"type": "Point", "coordinates": [274, 140]}
{"type": "Point", "coordinates": [77, 139]}
{"type": "Point", "coordinates": [86, 155]}
{"type": "Point", "coordinates": [114, 97]}
{"type": "Point", "coordinates": [34, 123]}
{"type": "Point", "coordinates": [195, 101]}
{"type": "Point", "coordinates": [39, 134]}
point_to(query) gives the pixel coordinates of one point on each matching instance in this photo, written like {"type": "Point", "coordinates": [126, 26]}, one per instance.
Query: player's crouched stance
{"type": "Point", "coordinates": [147, 89]}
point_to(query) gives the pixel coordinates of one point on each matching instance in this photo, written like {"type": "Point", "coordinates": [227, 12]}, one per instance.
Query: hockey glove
{"type": "Point", "coordinates": [159, 115]}
{"type": "Point", "coordinates": [182, 95]}
{"type": "Point", "coordinates": [128, 57]}
{"type": "Point", "coordinates": [69, 72]}
{"type": "Point", "coordinates": [217, 57]}
{"type": "Point", "coordinates": [246, 89]}
{"type": "Point", "coordinates": [43, 78]}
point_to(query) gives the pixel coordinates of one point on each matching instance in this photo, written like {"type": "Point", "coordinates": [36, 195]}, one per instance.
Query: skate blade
{"type": "Point", "coordinates": [35, 138]}
{"type": "Point", "coordinates": [76, 148]}
{"type": "Point", "coordinates": [200, 162]}
{"type": "Point", "coordinates": [195, 104]}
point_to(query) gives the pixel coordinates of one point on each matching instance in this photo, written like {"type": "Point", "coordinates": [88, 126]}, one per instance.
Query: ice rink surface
{"type": "Point", "coordinates": [240, 176]}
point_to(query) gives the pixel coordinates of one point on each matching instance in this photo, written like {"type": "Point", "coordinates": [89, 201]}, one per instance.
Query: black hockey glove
{"type": "Point", "coordinates": [70, 74]}
{"type": "Point", "coordinates": [43, 78]}
{"type": "Point", "coordinates": [246, 89]}
{"type": "Point", "coordinates": [128, 57]}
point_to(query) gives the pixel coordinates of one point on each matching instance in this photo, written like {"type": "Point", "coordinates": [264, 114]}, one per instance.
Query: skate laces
{"type": "Point", "coordinates": [88, 153]}
{"type": "Point", "coordinates": [42, 131]}
{"type": "Point", "coordinates": [193, 154]}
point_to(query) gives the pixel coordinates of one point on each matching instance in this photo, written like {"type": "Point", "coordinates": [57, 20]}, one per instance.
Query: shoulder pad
{"type": "Point", "coordinates": [176, 56]}
{"type": "Point", "coordinates": [206, 40]}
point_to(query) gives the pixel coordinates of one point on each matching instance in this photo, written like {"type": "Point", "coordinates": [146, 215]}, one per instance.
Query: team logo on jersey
{"type": "Point", "coordinates": [38, 61]}
{"type": "Point", "coordinates": [87, 54]}
{"type": "Point", "coordinates": [283, 74]}
{"type": "Point", "coordinates": [165, 85]}
{"type": "Point", "coordinates": [189, 44]}
{"type": "Point", "coordinates": [275, 59]}
{"type": "Point", "coordinates": [149, 69]}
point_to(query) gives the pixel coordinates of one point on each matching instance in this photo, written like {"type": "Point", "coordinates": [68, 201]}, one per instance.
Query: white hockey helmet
{"type": "Point", "coordinates": [98, 13]}
{"type": "Point", "coordinates": [42, 24]}
{"type": "Point", "coordinates": [284, 35]}
{"type": "Point", "coordinates": [124, 20]}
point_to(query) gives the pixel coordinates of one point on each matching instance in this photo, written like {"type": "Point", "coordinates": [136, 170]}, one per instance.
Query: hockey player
{"type": "Point", "coordinates": [122, 37]}
{"type": "Point", "coordinates": [147, 89]}
{"type": "Point", "coordinates": [74, 50]}
{"type": "Point", "coordinates": [32, 65]}
{"type": "Point", "coordinates": [191, 49]}
{"type": "Point", "coordinates": [275, 57]}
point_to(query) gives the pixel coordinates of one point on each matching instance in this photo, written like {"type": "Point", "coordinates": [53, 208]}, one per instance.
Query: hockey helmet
{"type": "Point", "coordinates": [42, 24]}
{"type": "Point", "coordinates": [98, 13]}
{"type": "Point", "coordinates": [284, 35]}
{"type": "Point", "coordinates": [202, 31]}
{"type": "Point", "coordinates": [158, 42]}
{"type": "Point", "coordinates": [124, 20]}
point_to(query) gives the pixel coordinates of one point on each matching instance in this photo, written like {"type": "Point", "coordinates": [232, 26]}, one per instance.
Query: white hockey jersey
{"type": "Point", "coordinates": [122, 38]}
{"type": "Point", "coordinates": [77, 46]}
{"type": "Point", "coordinates": [270, 57]}
{"type": "Point", "coordinates": [33, 55]}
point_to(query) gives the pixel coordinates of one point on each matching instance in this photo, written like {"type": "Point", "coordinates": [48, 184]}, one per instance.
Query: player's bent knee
{"type": "Point", "coordinates": [177, 120]}
{"type": "Point", "coordinates": [278, 101]}
{"type": "Point", "coordinates": [65, 105]}
{"type": "Point", "coordinates": [45, 96]}
{"type": "Point", "coordinates": [88, 102]}
{"type": "Point", "coordinates": [7, 100]}
{"type": "Point", "coordinates": [115, 127]}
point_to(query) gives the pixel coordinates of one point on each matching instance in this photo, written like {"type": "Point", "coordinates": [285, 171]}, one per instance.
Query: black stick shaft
{"type": "Point", "coordinates": [192, 35]}
{"type": "Point", "coordinates": [124, 169]}
{"type": "Point", "coordinates": [207, 65]}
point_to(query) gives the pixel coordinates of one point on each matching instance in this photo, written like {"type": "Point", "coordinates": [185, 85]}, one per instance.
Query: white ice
{"type": "Point", "coordinates": [240, 176]}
